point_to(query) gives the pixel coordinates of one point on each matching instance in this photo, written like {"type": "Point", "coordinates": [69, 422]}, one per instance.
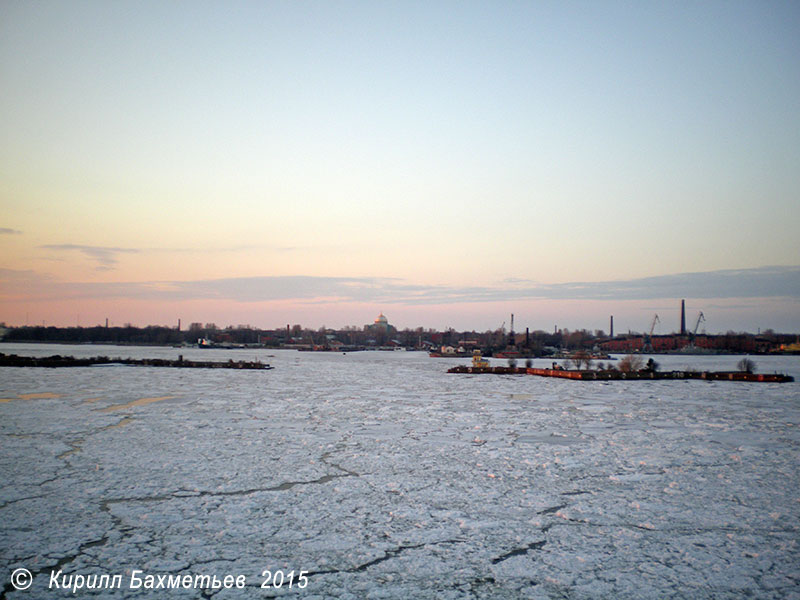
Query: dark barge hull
{"type": "Point", "coordinates": [633, 375]}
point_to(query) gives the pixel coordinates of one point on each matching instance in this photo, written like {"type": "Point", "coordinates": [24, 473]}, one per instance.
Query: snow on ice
{"type": "Point", "coordinates": [379, 475]}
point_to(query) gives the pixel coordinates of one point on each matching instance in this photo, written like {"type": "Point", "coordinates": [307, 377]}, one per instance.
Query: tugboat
{"type": "Point", "coordinates": [478, 362]}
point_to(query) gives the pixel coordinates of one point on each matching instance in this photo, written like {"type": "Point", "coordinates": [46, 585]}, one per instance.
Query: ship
{"type": "Point", "coordinates": [513, 353]}
{"type": "Point", "coordinates": [450, 352]}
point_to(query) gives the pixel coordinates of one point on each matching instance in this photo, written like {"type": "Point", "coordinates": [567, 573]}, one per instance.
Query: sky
{"type": "Point", "coordinates": [445, 163]}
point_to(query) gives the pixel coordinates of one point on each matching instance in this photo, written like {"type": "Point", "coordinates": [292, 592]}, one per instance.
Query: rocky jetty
{"type": "Point", "coordinates": [55, 361]}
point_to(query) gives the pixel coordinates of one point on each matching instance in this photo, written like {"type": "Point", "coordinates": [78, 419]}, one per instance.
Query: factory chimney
{"type": "Point", "coordinates": [611, 334]}
{"type": "Point", "coordinates": [683, 317]}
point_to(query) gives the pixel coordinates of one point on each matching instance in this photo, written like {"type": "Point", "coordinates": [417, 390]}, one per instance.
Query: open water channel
{"type": "Point", "coordinates": [379, 475]}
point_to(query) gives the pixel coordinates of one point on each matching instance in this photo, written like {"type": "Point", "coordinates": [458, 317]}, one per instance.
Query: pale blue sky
{"type": "Point", "coordinates": [457, 144]}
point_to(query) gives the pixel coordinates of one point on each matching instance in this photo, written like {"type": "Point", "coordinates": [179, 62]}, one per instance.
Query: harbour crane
{"type": "Point", "coordinates": [653, 324]}
{"type": "Point", "coordinates": [501, 338]}
{"type": "Point", "coordinates": [700, 317]}
{"type": "Point", "coordinates": [648, 340]}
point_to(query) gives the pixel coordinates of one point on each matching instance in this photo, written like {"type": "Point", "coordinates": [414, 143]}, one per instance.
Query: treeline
{"type": "Point", "coordinates": [296, 335]}
{"type": "Point", "coordinates": [152, 335]}
{"type": "Point", "coordinates": [539, 343]}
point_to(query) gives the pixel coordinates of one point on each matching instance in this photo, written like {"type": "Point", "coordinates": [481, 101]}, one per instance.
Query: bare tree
{"type": "Point", "coordinates": [746, 365]}
{"type": "Point", "coordinates": [582, 359]}
{"type": "Point", "coordinates": [631, 363]}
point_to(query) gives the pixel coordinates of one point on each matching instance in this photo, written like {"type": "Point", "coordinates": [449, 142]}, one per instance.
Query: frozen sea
{"type": "Point", "coordinates": [379, 475]}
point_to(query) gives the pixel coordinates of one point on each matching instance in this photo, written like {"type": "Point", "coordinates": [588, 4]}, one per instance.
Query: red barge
{"type": "Point", "coordinates": [481, 365]}
{"type": "Point", "coordinates": [630, 375]}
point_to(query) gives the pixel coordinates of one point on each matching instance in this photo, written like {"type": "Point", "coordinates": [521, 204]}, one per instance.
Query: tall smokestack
{"type": "Point", "coordinates": [611, 334]}
{"type": "Point", "coordinates": [683, 317]}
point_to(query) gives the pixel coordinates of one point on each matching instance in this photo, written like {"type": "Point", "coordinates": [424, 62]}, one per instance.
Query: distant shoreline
{"type": "Point", "coordinates": [261, 347]}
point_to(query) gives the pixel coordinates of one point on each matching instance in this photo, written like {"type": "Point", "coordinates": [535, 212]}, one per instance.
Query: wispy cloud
{"type": "Point", "coordinates": [7, 231]}
{"type": "Point", "coordinates": [777, 282]}
{"type": "Point", "coordinates": [104, 256]}
{"type": "Point", "coordinates": [227, 249]}
{"type": "Point", "coordinates": [22, 275]}
{"type": "Point", "coordinates": [729, 283]}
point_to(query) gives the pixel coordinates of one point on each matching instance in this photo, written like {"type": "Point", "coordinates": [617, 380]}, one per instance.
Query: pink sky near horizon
{"type": "Point", "coordinates": [445, 163]}
{"type": "Point", "coordinates": [544, 315]}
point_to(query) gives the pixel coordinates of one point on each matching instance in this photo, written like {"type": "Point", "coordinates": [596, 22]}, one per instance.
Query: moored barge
{"type": "Point", "coordinates": [589, 375]}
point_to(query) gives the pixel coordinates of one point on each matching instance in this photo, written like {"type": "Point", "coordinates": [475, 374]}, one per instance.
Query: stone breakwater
{"type": "Point", "coordinates": [12, 360]}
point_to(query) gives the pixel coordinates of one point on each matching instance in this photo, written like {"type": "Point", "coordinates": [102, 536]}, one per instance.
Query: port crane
{"type": "Point", "coordinates": [501, 339]}
{"type": "Point", "coordinates": [648, 340]}
{"type": "Point", "coordinates": [700, 317]}
{"type": "Point", "coordinates": [653, 324]}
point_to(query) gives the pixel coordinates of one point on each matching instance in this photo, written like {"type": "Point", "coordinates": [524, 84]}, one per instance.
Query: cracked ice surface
{"type": "Point", "coordinates": [385, 477]}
